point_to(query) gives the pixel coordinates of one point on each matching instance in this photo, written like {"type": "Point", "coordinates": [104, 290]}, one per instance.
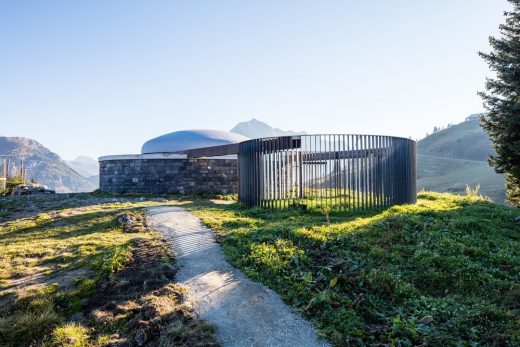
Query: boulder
{"type": "Point", "coordinates": [125, 219]}
{"type": "Point", "coordinates": [132, 222]}
{"type": "Point", "coordinates": [31, 189]}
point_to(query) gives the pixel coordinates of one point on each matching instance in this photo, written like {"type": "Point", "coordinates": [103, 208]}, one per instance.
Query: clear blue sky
{"type": "Point", "coordinates": [102, 77]}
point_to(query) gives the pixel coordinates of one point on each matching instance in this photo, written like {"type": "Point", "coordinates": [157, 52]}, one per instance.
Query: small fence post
{"type": "Point", "coordinates": [4, 175]}
{"type": "Point", "coordinates": [22, 172]}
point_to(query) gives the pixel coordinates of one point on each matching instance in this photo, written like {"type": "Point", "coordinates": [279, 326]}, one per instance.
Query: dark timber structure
{"type": "Point", "coordinates": [347, 172]}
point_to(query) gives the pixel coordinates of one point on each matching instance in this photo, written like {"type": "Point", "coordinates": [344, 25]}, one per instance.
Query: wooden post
{"type": "Point", "coordinates": [4, 175]}
{"type": "Point", "coordinates": [22, 172]}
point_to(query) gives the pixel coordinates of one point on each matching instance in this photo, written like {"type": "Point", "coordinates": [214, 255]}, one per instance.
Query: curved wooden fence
{"type": "Point", "coordinates": [345, 172]}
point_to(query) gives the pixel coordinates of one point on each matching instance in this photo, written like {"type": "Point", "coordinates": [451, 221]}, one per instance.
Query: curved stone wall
{"type": "Point", "coordinates": [167, 174]}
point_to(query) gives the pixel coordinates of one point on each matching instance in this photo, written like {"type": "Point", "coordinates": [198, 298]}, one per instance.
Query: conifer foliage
{"type": "Point", "coordinates": [502, 100]}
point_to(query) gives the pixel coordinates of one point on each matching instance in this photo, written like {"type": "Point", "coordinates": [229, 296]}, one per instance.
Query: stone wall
{"type": "Point", "coordinates": [161, 175]}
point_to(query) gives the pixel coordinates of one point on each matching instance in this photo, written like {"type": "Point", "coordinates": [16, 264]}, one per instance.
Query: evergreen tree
{"type": "Point", "coordinates": [502, 100]}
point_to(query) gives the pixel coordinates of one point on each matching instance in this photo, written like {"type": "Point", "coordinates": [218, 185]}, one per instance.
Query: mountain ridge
{"type": "Point", "coordinates": [256, 129]}
{"type": "Point", "coordinates": [87, 167]}
{"type": "Point", "coordinates": [41, 164]}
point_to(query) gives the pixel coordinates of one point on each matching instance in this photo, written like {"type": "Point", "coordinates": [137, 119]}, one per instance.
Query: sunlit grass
{"type": "Point", "coordinates": [444, 271]}
{"type": "Point", "coordinates": [52, 261]}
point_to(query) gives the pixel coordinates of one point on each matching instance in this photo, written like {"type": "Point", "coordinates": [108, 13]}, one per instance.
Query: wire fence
{"type": "Point", "coordinates": [344, 172]}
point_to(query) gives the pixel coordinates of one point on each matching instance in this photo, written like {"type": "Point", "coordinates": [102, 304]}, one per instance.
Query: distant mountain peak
{"type": "Point", "coordinates": [86, 166]}
{"type": "Point", "coordinates": [85, 159]}
{"type": "Point", "coordinates": [255, 128]}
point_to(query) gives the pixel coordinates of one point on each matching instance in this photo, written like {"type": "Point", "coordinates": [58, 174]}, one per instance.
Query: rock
{"type": "Point", "coordinates": [125, 220]}
{"type": "Point", "coordinates": [132, 223]}
{"type": "Point", "coordinates": [31, 189]}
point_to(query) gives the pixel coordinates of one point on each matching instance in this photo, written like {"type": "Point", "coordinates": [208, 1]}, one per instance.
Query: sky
{"type": "Point", "coordinates": [102, 77]}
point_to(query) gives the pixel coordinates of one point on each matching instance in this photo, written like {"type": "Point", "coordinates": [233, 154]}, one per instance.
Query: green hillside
{"type": "Point", "coordinates": [452, 158]}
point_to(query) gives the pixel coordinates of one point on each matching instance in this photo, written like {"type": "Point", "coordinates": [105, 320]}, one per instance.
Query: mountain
{"type": "Point", "coordinates": [42, 165]}
{"type": "Point", "coordinates": [256, 129]}
{"type": "Point", "coordinates": [450, 159]}
{"type": "Point", "coordinates": [86, 167]}
{"type": "Point", "coordinates": [466, 140]}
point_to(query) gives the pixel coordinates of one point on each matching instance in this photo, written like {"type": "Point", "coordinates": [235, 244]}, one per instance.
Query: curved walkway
{"type": "Point", "coordinates": [244, 312]}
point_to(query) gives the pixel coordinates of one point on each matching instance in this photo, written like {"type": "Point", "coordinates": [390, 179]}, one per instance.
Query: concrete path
{"type": "Point", "coordinates": [244, 312]}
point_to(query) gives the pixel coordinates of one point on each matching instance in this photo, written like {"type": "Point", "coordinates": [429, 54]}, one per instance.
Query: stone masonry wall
{"type": "Point", "coordinates": [174, 176]}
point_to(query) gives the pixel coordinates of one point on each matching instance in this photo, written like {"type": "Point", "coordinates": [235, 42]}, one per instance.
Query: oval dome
{"type": "Point", "coordinates": [190, 139]}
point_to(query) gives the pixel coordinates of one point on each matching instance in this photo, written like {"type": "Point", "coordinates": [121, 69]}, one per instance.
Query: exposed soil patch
{"type": "Point", "coordinates": [146, 302]}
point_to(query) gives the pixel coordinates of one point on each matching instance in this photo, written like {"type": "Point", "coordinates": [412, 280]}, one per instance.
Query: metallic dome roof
{"type": "Point", "coordinates": [190, 139]}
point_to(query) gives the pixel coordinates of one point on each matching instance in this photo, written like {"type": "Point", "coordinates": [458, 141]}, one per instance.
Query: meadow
{"type": "Point", "coordinates": [71, 275]}
{"type": "Point", "coordinates": [445, 271]}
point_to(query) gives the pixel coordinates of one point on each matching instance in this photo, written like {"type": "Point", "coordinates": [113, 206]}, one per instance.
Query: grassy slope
{"type": "Point", "coordinates": [452, 175]}
{"type": "Point", "coordinates": [445, 271]}
{"type": "Point", "coordinates": [70, 276]}
{"type": "Point", "coordinates": [450, 159]}
{"type": "Point", "coordinates": [466, 140]}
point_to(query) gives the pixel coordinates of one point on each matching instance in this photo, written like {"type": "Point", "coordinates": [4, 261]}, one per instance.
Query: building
{"type": "Point", "coordinates": [340, 171]}
{"type": "Point", "coordinates": [163, 167]}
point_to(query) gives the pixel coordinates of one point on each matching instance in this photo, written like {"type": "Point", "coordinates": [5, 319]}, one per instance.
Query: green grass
{"type": "Point", "coordinates": [466, 140]}
{"type": "Point", "coordinates": [326, 200]}
{"type": "Point", "coordinates": [445, 271]}
{"type": "Point", "coordinates": [452, 158]}
{"type": "Point", "coordinates": [70, 334]}
{"type": "Point", "coordinates": [65, 260]}
{"type": "Point", "coordinates": [452, 175]}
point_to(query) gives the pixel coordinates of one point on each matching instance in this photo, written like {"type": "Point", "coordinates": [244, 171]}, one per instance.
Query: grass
{"type": "Point", "coordinates": [71, 276]}
{"type": "Point", "coordinates": [451, 158]}
{"type": "Point", "coordinates": [452, 175]}
{"type": "Point", "coordinates": [445, 271]}
{"type": "Point", "coordinates": [466, 140]}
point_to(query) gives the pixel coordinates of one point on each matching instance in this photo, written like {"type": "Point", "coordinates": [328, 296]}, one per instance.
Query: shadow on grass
{"type": "Point", "coordinates": [139, 303]}
{"type": "Point", "coordinates": [51, 256]}
{"type": "Point", "coordinates": [456, 260]}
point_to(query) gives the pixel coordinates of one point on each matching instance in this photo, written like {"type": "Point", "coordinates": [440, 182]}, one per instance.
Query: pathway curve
{"type": "Point", "coordinates": [244, 312]}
